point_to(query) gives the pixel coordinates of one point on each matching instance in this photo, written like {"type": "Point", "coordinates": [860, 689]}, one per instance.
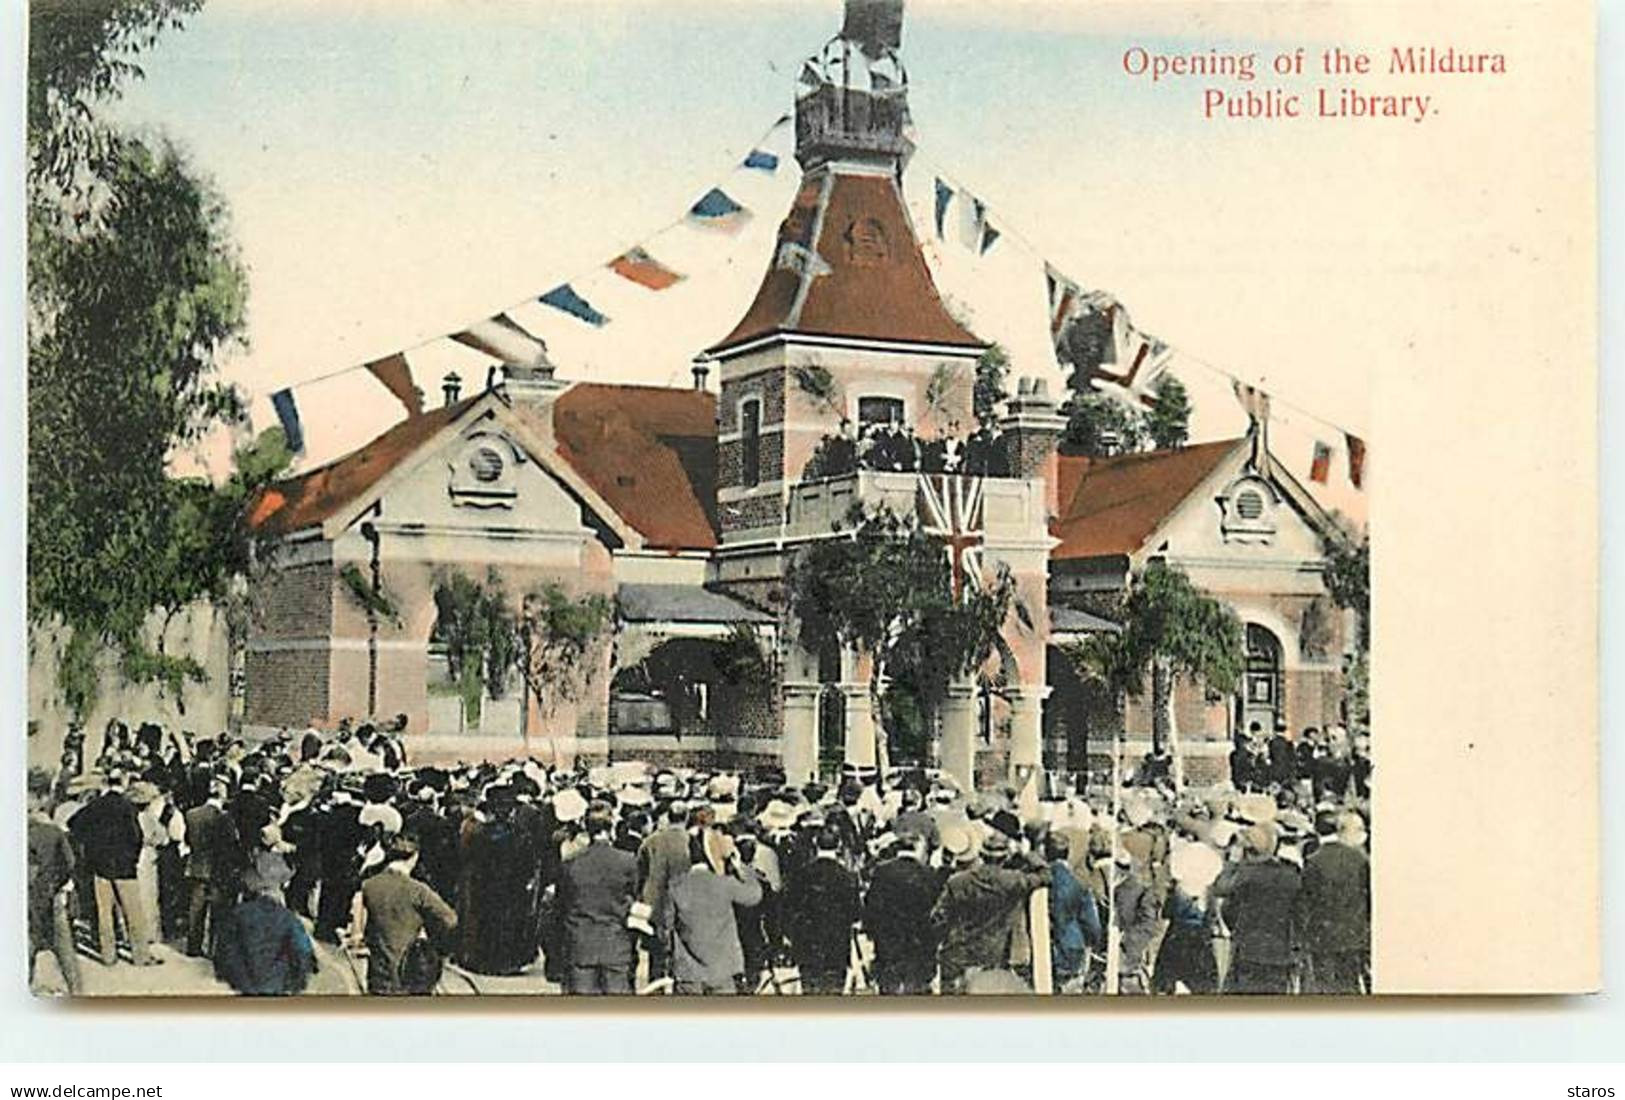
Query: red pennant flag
{"type": "Point", "coordinates": [396, 375]}
{"type": "Point", "coordinates": [1356, 460]}
{"type": "Point", "coordinates": [1320, 469]}
{"type": "Point", "coordinates": [637, 265]}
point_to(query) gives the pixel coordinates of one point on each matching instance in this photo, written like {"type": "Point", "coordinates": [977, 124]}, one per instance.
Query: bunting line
{"type": "Point", "coordinates": [500, 337]}
{"type": "Point", "coordinates": [1064, 293]}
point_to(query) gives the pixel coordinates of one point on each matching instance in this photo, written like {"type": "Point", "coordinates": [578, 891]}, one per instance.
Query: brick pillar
{"type": "Point", "coordinates": [1032, 428]}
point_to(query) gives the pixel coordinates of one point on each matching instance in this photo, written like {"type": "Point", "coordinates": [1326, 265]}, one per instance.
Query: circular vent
{"type": "Point", "coordinates": [486, 465]}
{"type": "Point", "coordinates": [1249, 504]}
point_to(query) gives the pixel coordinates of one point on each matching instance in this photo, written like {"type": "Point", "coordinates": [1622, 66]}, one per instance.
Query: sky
{"type": "Point", "coordinates": [397, 171]}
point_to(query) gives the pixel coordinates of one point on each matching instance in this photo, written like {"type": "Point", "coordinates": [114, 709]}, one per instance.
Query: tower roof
{"type": "Point", "coordinates": [847, 264]}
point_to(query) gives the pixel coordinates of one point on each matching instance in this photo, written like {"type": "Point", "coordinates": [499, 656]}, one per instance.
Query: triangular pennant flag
{"type": "Point", "coordinates": [945, 195]}
{"type": "Point", "coordinates": [637, 265]}
{"type": "Point", "coordinates": [782, 120]}
{"type": "Point", "coordinates": [716, 209]}
{"type": "Point", "coordinates": [972, 217]}
{"type": "Point", "coordinates": [396, 375]}
{"type": "Point", "coordinates": [1063, 295]}
{"type": "Point", "coordinates": [1321, 467]}
{"type": "Point", "coordinates": [762, 160]}
{"type": "Point", "coordinates": [287, 411]}
{"type": "Point", "coordinates": [1356, 447]}
{"type": "Point", "coordinates": [1254, 400]}
{"type": "Point", "coordinates": [989, 236]}
{"type": "Point", "coordinates": [564, 297]}
{"type": "Point", "coordinates": [502, 338]}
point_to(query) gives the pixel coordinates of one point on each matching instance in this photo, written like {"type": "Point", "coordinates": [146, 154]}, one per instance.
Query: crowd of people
{"type": "Point", "coordinates": [274, 858]}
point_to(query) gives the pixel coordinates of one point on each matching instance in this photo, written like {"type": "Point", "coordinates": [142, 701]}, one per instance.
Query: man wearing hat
{"type": "Point", "coordinates": [662, 857]}
{"type": "Point", "coordinates": [596, 892]}
{"type": "Point", "coordinates": [699, 921]}
{"type": "Point", "coordinates": [822, 907]}
{"type": "Point", "coordinates": [897, 916]}
{"type": "Point", "coordinates": [261, 949]}
{"type": "Point", "coordinates": [1335, 909]}
{"type": "Point", "coordinates": [1258, 899]}
{"type": "Point", "coordinates": [975, 916]}
{"type": "Point", "coordinates": [397, 910]}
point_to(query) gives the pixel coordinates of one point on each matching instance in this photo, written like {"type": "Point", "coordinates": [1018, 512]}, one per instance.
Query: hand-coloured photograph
{"type": "Point", "coordinates": [843, 498]}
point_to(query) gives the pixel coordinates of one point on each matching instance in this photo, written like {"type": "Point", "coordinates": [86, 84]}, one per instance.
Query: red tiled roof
{"type": "Point", "coordinates": [1112, 505]}
{"type": "Point", "coordinates": [315, 496]}
{"type": "Point", "coordinates": [650, 452]}
{"type": "Point", "coordinates": [876, 285]}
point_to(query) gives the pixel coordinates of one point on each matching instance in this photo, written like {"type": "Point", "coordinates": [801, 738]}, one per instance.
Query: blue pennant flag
{"type": "Point", "coordinates": [288, 412]}
{"type": "Point", "coordinates": [945, 195]}
{"type": "Point", "coordinates": [716, 210]}
{"type": "Point", "coordinates": [565, 297]}
{"type": "Point", "coordinates": [763, 160]}
{"type": "Point", "coordinates": [989, 235]}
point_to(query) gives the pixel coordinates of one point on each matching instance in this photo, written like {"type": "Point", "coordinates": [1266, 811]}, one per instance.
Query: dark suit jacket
{"type": "Point", "coordinates": [596, 890]}
{"type": "Point", "coordinates": [216, 852]}
{"type": "Point", "coordinates": [661, 860]}
{"type": "Point", "coordinates": [1260, 907]}
{"type": "Point", "coordinates": [823, 906]}
{"type": "Point", "coordinates": [897, 912]}
{"type": "Point", "coordinates": [1335, 903]}
{"type": "Point", "coordinates": [976, 913]}
{"type": "Point", "coordinates": [109, 835]}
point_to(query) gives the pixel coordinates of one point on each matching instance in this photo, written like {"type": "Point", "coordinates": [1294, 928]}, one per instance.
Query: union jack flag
{"type": "Point", "coordinates": [951, 509]}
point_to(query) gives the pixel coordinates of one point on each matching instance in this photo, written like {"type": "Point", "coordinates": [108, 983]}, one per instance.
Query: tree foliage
{"type": "Point", "coordinates": [81, 53]}
{"type": "Point", "coordinates": [885, 589]}
{"type": "Point", "coordinates": [1170, 627]}
{"type": "Point", "coordinates": [1100, 425]}
{"type": "Point", "coordinates": [1168, 419]}
{"type": "Point", "coordinates": [560, 636]}
{"type": "Point", "coordinates": [474, 622]}
{"type": "Point", "coordinates": [1348, 579]}
{"type": "Point", "coordinates": [992, 372]}
{"type": "Point", "coordinates": [134, 293]}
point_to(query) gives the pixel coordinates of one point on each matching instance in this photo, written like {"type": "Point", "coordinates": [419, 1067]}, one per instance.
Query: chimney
{"type": "Point", "coordinates": [702, 372]}
{"type": "Point", "coordinates": [1032, 428]}
{"type": "Point", "coordinates": [452, 386]}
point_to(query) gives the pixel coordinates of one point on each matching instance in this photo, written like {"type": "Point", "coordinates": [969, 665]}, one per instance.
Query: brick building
{"type": "Point", "coordinates": [687, 508]}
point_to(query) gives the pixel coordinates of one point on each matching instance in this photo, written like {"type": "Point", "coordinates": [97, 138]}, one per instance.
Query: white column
{"type": "Point", "coordinates": [798, 747]}
{"type": "Point", "coordinates": [1027, 741]}
{"type": "Point", "coordinates": [958, 747]}
{"type": "Point", "coordinates": [860, 724]}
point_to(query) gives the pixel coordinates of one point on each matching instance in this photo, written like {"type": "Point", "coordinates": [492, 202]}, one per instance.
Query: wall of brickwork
{"type": "Point", "coordinates": [294, 601]}
{"type": "Point", "coordinates": [287, 687]}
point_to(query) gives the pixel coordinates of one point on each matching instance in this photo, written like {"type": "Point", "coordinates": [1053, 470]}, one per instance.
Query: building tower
{"type": "Point", "coordinates": [847, 327]}
{"type": "Point", "coordinates": [847, 330]}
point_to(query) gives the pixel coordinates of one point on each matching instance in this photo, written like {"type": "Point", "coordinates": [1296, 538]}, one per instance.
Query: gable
{"type": "Point", "coordinates": [1242, 516]}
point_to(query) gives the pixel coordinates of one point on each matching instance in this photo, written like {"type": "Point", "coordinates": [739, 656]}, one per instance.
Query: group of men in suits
{"type": "Point", "coordinates": [717, 883]}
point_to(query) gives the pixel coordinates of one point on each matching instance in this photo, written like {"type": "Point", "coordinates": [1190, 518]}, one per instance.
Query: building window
{"type": "Point", "coordinates": [486, 465]}
{"type": "Point", "coordinates": [1248, 511]}
{"type": "Point", "coordinates": [874, 412]}
{"type": "Point", "coordinates": [750, 443]}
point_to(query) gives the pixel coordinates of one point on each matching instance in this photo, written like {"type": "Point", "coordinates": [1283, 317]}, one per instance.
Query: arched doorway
{"type": "Point", "coordinates": [1260, 701]}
